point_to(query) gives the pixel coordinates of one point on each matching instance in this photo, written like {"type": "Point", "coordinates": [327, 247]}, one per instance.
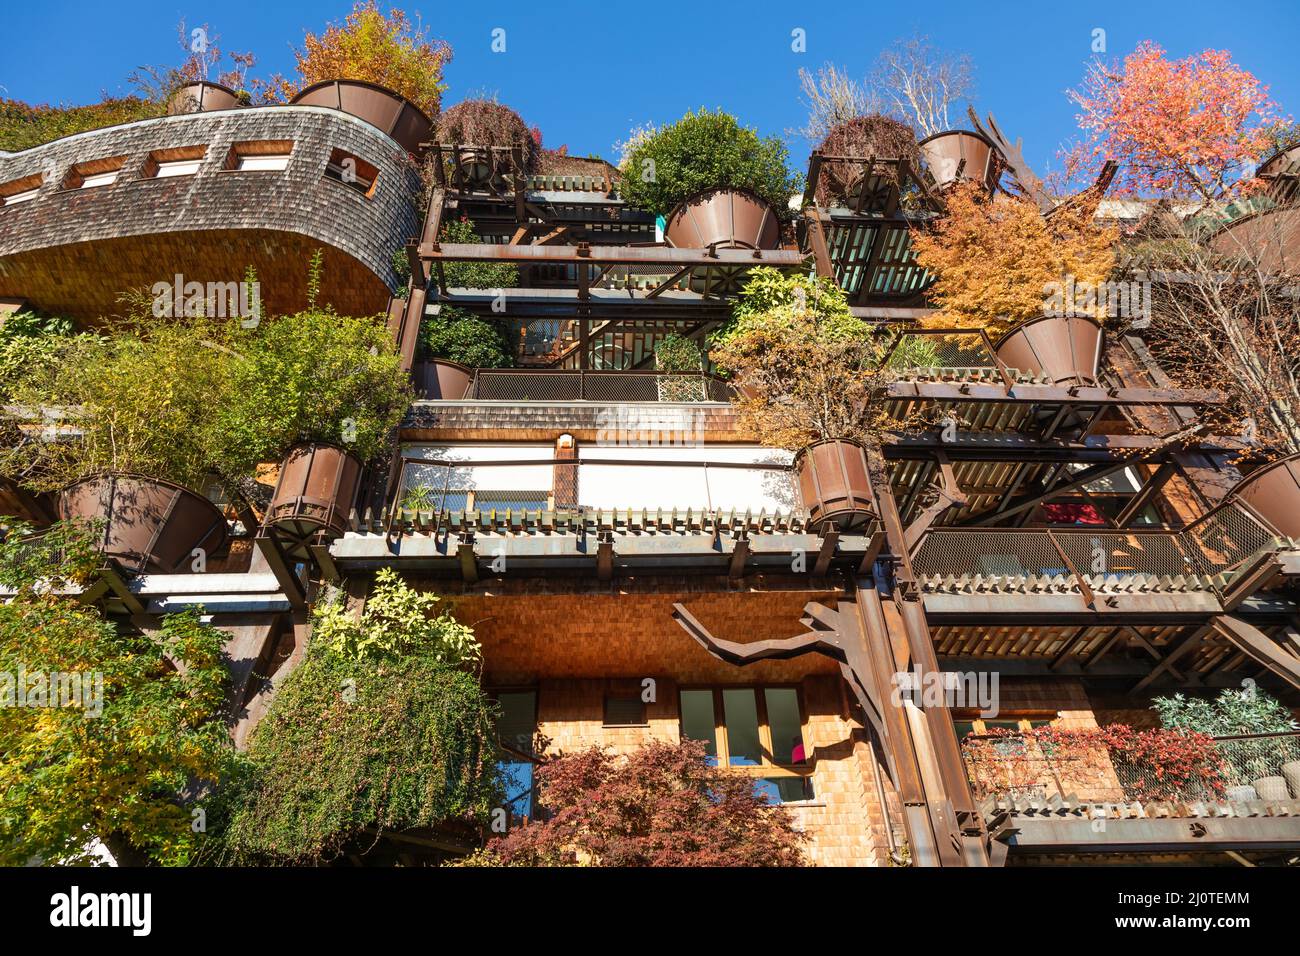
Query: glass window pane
{"type": "Point", "coordinates": [783, 789]}
{"type": "Point", "coordinates": [518, 720]}
{"type": "Point", "coordinates": [698, 721]}
{"type": "Point", "coordinates": [517, 779]}
{"type": "Point", "coordinates": [783, 720]}
{"type": "Point", "coordinates": [740, 708]}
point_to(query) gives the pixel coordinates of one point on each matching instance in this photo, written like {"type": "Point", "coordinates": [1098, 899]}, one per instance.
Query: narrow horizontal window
{"type": "Point", "coordinates": [624, 711]}
{"type": "Point", "coordinates": [93, 174]}
{"type": "Point", "coordinates": [260, 155]}
{"type": "Point", "coordinates": [177, 161]}
{"type": "Point", "coordinates": [20, 190]}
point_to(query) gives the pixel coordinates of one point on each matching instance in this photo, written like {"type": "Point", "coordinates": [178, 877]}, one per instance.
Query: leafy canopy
{"type": "Point", "coordinates": [460, 336]}
{"type": "Point", "coordinates": [661, 805]}
{"type": "Point", "coordinates": [1249, 711]}
{"type": "Point", "coordinates": [377, 47]}
{"type": "Point", "coordinates": [1190, 127]}
{"type": "Point", "coordinates": [993, 261]}
{"type": "Point", "coordinates": [146, 734]}
{"type": "Point", "coordinates": [705, 150]}
{"type": "Point", "coordinates": [807, 368]}
{"type": "Point", "coordinates": [378, 729]}
{"type": "Point", "coordinates": [184, 399]}
{"type": "Point", "coordinates": [475, 275]}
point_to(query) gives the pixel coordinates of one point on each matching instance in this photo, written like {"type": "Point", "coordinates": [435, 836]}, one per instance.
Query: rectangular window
{"type": "Point", "coordinates": [756, 730]}
{"type": "Point", "coordinates": [351, 170]}
{"type": "Point", "coordinates": [698, 721]}
{"type": "Point", "coordinates": [259, 155]}
{"type": "Point", "coordinates": [740, 710]}
{"type": "Point", "coordinates": [20, 190]}
{"type": "Point", "coordinates": [624, 711]}
{"type": "Point", "coordinates": [516, 726]}
{"type": "Point", "coordinates": [97, 172]}
{"type": "Point", "coordinates": [177, 161]}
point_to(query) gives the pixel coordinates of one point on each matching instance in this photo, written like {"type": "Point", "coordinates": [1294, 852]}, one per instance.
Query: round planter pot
{"type": "Point", "coordinates": [202, 97]}
{"type": "Point", "coordinates": [1269, 240]}
{"type": "Point", "coordinates": [1065, 349]}
{"type": "Point", "coordinates": [1271, 788]}
{"type": "Point", "coordinates": [318, 484]}
{"type": "Point", "coordinates": [724, 219]}
{"type": "Point", "coordinates": [440, 379]}
{"type": "Point", "coordinates": [380, 107]}
{"type": "Point", "coordinates": [835, 485]}
{"type": "Point", "coordinates": [1273, 492]}
{"type": "Point", "coordinates": [958, 155]}
{"type": "Point", "coordinates": [149, 525]}
{"type": "Point", "coordinates": [1242, 794]}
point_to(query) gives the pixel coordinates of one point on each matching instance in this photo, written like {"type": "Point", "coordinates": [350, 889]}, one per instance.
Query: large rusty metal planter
{"type": "Point", "coordinates": [835, 485]}
{"type": "Point", "coordinates": [378, 106]}
{"type": "Point", "coordinates": [318, 484]}
{"type": "Point", "coordinates": [1064, 349]}
{"type": "Point", "coordinates": [202, 97]}
{"type": "Point", "coordinates": [441, 379]}
{"type": "Point", "coordinates": [723, 219]}
{"type": "Point", "coordinates": [958, 155]}
{"type": "Point", "coordinates": [149, 525]}
{"type": "Point", "coordinates": [1273, 493]}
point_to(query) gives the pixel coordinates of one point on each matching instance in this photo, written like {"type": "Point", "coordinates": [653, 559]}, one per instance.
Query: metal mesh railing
{"type": "Point", "coordinates": [1168, 766]}
{"type": "Point", "coordinates": [1005, 554]}
{"type": "Point", "coordinates": [562, 385]}
{"type": "Point", "coordinates": [1218, 547]}
{"type": "Point", "coordinates": [947, 354]}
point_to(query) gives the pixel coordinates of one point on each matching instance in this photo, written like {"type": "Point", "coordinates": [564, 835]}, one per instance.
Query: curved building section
{"type": "Point", "coordinates": [205, 196]}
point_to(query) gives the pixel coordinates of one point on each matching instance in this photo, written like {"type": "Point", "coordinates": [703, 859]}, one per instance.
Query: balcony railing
{"type": "Point", "coordinates": [1117, 764]}
{"type": "Point", "coordinates": [581, 385]}
{"type": "Point", "coordinates": [1208, 554]}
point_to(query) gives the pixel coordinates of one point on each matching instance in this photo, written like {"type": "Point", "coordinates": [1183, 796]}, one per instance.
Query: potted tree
{"type": "Point", "coordinates": [478, 130]}
{"type": "Point", "coordinates": [1028, 279]}
{"type": "Point", "coordinates": [843, 179]}
{"type": "Point", "coordinates": [809, 373]}
{"type": "Point", "coordinates": [134, 425]}
{"type": "Point", "coordinates": [323, 394]}
{"type": "Point", "coordinates": [717, 183]}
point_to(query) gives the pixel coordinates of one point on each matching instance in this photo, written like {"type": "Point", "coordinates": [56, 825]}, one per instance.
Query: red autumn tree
{"type": "Point", "coordinates": [662, 805]}
{"type": "Point", "coordinates": [1192, 127]}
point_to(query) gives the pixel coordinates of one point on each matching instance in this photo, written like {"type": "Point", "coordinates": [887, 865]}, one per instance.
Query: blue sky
{"type": "Point", "coordinates": [586, 72]}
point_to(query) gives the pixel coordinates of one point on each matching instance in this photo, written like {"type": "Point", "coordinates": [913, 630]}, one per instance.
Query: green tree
{"type": "Point", "coordinates": [705, 150]}
{"type": "Point", "coordinates": [475, 275]}
{"type": "Point", "coordinates": [105, 732]}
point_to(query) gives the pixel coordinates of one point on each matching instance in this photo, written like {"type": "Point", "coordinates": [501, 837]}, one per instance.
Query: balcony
{"type": "Point", "coordinates": [1116, 764]}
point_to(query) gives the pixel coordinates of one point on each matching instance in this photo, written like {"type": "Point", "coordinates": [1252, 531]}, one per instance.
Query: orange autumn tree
{"type": "Point", "coordinates": [994, 259]}
{"type": "Point", "coordinates": [375, 47]}
{"type": "Point", "coordinates": [1193, 127]}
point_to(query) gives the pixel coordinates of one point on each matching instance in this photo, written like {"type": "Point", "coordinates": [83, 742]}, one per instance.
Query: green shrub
{"type": "Point", "coordinates": [474, 275]}
{"type": "Point", "coordinates": [460, 336]}
{"type": "Point", "coordinates": [376, 730]}
{"type": "Point", "coordinates": [706, 150]}
{"type": "Point", "coordinates": [23, 125]}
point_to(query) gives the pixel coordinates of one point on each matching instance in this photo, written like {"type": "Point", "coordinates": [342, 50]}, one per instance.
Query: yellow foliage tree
{"type": "Point", "coordinates": [994, 261]}
{"type": "Point", "coordinates": [374, 47]}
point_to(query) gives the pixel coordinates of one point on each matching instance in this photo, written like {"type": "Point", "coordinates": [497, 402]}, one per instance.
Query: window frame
{"type": "Point", "coordinates": [767, 766]}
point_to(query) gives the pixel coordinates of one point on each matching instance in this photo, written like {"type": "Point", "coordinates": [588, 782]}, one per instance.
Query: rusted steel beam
{"type": "Point", "coordinates": [614, 255]}
{"type": "Point", "coordinates": [280, 566]}
{"type": "Point", "coordinates": [988, 392]}
{"type": "Point", "coordinates": [1147, 493]}
{"type": "Point", "coordinates": [1259, 647]}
